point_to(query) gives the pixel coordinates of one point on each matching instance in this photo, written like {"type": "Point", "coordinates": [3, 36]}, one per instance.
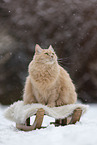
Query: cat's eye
{"type": "Point", "coordinates": [46, 53]}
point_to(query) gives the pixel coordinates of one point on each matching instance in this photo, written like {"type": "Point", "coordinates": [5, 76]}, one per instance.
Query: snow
{"type": "Point", "coordinates": [83, 133]}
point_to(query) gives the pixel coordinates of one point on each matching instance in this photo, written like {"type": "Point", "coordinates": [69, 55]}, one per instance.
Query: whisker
{"type": "Point", "coordinates": [65, 58]}
{"type": "Point", "coordinates": [61, 62]}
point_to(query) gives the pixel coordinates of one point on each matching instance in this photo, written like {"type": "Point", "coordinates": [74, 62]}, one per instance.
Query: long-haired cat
{"type": "Point", "coordinates": [48, 83]}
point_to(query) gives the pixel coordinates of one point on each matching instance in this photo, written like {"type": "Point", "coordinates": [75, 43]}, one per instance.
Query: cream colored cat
{"type": "Point", "coordinates": [48, 83]}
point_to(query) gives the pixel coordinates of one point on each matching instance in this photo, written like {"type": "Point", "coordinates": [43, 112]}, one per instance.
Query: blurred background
{"type": "Point", "coordinates": [69, 26]}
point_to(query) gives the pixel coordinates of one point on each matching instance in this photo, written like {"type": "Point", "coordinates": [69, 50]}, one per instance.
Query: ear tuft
{"type": "Point", "coordinates": [51, 48]}
{"type": "Point", "coordinates": [38, 49]}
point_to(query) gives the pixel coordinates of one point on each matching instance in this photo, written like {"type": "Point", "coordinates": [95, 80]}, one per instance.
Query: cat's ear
{"type": "Point", "coordinates": [51, 48]}
{"type": "Point", "coordinates": [38, 49]}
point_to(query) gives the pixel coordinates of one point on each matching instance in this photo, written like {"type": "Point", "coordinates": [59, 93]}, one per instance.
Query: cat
{"type": "Point", "coordinates": [48, 83]}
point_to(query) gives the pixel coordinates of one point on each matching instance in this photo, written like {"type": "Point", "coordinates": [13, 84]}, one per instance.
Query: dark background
{"type": "Point", "coordinates": [70, 26]}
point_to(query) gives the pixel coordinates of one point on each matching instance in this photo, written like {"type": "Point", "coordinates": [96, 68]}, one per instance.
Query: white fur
{"type": "Point", "coordinates": [18, 112]}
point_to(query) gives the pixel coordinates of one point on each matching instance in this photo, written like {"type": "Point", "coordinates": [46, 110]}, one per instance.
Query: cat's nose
{"type": "Point", "coordinates": [52, 56]}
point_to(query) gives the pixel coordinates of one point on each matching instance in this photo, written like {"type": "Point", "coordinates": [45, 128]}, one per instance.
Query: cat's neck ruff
{"type": "Point", "coordinates": [44, 75]}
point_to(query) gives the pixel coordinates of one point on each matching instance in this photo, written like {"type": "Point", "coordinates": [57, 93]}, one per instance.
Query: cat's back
{"type": "Point", "coordinates": [63, 73]}
{"type": "Point", "coordinates": [64, 79]}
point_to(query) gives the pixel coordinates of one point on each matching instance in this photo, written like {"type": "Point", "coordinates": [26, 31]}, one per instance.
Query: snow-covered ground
{"type": "Point", "coordinates": [83, 133]}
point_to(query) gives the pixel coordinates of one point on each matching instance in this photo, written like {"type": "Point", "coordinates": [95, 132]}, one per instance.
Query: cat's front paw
{"type": "Point", "coordinates": [59, 102]}
{"type": "Point", "coordinates": [51, 105]}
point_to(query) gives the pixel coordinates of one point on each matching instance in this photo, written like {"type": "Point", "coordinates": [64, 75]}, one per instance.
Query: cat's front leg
{"type": "Point", "coordinates": [28, 96]}
{"type": "Point", "coordinates": [41, 101]}
{"type": "Point", "coordinates": [51, 102]}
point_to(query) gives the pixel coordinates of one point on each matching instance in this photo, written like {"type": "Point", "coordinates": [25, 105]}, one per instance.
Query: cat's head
{"type": "Point", "coordinates": [46, 56]}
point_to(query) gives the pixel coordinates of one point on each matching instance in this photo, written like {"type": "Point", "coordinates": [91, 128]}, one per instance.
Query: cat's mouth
{"type": "Point", "coordinates": [51, 61]}
{"type": "Point", "coordinates": [47, 61]}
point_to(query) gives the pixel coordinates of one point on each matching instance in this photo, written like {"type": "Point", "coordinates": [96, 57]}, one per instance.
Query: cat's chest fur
{"type": "Point", "coordinates": [40, 94]}
{"type": "Point", "coordinates": [43, 77]}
